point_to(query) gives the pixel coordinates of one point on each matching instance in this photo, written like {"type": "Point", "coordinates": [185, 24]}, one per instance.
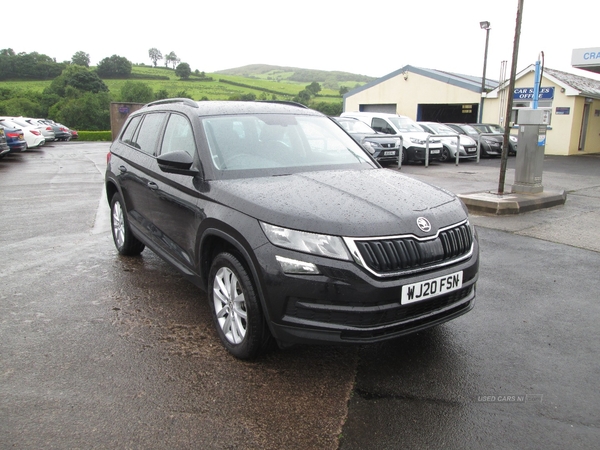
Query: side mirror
{"type": "Point", "coordinates": [177, 162]}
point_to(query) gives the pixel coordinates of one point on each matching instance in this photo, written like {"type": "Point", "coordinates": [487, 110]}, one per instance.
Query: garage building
{"type": "Point", "coordinates": [438, 96]}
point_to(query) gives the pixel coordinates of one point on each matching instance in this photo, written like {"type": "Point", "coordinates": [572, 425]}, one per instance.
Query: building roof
{"type": "Point", "coordinates": [467, 82]}
{"type": "Point", "coordinates": [572, 84]}
{"type": "Point", "coordinates": [586, 86]}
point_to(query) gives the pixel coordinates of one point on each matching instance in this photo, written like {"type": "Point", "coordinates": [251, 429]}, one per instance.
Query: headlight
{"type": "Point", "coordinates": [513, 139]}
{"type": "Point", "coordinates": [316, 244]}
{"type": "Point", "coordinates": [370, 146]}
{"type": "Point", "coordinates": [417, 141]}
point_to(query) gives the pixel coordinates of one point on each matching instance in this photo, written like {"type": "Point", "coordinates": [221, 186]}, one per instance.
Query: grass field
{"type": "Point", "coordinates": [196, 88]}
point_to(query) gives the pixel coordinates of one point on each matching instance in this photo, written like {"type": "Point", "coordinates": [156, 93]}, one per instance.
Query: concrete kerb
{"type": "Point", "coordinates": [512, 203]}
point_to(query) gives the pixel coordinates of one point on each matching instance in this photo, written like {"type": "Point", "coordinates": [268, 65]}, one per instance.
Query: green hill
{"type": "Point", "coordinates": [258, 79]}
{"type": "Point", "coordinates": [295, 74]}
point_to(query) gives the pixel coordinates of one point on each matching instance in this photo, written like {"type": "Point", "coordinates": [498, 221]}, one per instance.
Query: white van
{"type": "Point", "coordinates": [414, 138]}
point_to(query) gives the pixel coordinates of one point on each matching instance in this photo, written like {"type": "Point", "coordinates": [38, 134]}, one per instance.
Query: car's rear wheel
{"type": "Point", "coordinates": [126, 243]}
{"type": "Point", "coordinates": [235, 308]}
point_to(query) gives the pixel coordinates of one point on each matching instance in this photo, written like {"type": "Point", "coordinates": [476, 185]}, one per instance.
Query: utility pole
{"type": "Point", "coordinates": [509, 103]}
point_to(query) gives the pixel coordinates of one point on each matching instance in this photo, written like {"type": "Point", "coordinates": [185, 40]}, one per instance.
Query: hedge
{"type": "Point", "coordinates": [94, 135]}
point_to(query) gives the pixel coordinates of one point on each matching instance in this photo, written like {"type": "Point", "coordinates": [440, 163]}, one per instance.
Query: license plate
{"type": "Point", "coordinates": [431, 288]}
{"type": "Point", "coordinates": [434, 152]}
{"type": "Point", "coordinates": [389, 153]}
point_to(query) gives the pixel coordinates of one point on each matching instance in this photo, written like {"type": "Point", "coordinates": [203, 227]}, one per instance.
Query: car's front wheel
{"type": "Point", "coordinates": [445, 156]}
{"type": "Point", "coordinates": [127, 244]}
{"type": "Point", "coordinates": [235, 308]}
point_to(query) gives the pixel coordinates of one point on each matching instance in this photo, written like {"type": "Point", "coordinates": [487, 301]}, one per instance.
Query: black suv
{"type": "Point", "coordinates": [293, 229]}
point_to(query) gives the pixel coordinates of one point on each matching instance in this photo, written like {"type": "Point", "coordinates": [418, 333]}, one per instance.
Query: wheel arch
{"type": "Point", "coordinates": [215, 241]}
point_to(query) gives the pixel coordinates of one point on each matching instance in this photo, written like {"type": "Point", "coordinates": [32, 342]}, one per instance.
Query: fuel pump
{"type": "Point", "coordinates": [533, 124]}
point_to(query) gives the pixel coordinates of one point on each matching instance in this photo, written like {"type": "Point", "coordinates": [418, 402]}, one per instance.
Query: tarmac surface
{"type": "Point", "coordinates": [101, 351]}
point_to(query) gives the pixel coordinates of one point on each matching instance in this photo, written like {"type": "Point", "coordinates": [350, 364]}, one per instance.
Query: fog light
{"type": "Point", "coordinates": [297, 267]}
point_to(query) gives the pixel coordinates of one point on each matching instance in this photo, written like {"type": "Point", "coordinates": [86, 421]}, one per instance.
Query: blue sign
{"type": "Point", "coordinates": [546, 93]}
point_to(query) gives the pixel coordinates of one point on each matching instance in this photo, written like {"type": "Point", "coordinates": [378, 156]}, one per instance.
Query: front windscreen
{"type": "Point", "coordinates": [405, 125]}
{"type": "Point", "coordinates": [280, 143]}
{"type": "Point", "coordinates": [440, 128]}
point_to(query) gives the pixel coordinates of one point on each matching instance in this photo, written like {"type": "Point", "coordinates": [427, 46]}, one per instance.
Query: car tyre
{"type": "Point", "coordinates": [235, 308]}
{"type": "Point", "coordinates": [127, 244]}
{"type": "Point", "coordinates": [445, 155]}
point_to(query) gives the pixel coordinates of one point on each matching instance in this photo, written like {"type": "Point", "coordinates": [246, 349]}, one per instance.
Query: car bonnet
{"type": "Point", "coordinates": [378, 202]}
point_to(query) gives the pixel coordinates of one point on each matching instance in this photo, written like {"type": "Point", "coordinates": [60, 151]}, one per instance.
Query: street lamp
{"type": "Point", "coordinates": [484, 26]}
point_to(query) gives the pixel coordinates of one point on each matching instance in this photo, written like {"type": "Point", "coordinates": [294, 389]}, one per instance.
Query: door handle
{"type": "Point", "coordinates": [152, 185]}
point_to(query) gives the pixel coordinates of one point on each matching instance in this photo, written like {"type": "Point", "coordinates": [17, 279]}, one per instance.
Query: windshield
{"type": "Point", "coordinates": [440, 128]}
{"type": "Point", "coordinates": [405, 125]}
{"type": "Point", "coordinates": [470, 130]}
{"type": "Point", "coordinates": [355, 126]}
{"type": "Point", "coordinates": [280, 143]}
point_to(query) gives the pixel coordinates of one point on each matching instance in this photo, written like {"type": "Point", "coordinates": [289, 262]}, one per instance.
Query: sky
{"type": "Point", "coordinates": [367, 38]}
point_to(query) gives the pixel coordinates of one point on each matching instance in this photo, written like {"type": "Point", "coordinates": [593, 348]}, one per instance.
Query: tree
{"type": "Point", "coordinates": [314, 88]}
{"type": "Point", "coordinates": [34, 66]}
{"type": "Point", "coordinates": [183, 71]}
{"type": "Point", "coordinates": [114, 67]}
{"type": "Point", "coordinates": [137, 92]}
{"type": "Point", "coordinates": [303, 97]}
{"type": "Point", "coordinates": [87, 112]}
{"type": "Point", "coordinates": [81, 59]}
{"type": "Point", "coordinates": [171, 58]}
{"type": "Point", "coordinates": [344, 90]}
{"type": "Point", "coordinates": [155, 55]}
{"type": "Point", "coordinates": [77, 77]}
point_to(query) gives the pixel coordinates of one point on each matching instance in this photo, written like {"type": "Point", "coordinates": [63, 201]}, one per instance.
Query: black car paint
{"type": "Point", "coordinates": [186, 218]}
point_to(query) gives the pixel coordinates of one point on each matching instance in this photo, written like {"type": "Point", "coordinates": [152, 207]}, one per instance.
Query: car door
{"type": "Point", "coordinates": [173, 208]}
{"type": "Point", "coordinates": [136, 167]}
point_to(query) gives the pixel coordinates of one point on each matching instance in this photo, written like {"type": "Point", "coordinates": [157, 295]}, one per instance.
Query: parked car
{"type": "Point", "coordinates": [60, 131]}
{"type": "Point", "coordinates": [513, 141]}
{"type": "Point", "coordinates": [74, 134]}
{"type": "Point", "coordinates": [4, 148]}
{"type": "Point", "coordinates": [383, 148]}
{"type": "Point", "coordinates": [33, 137]}
{"type": "Point", "coordinates": [414, 138]}
{"type": "Point", "coordinates": [468, 146]}
{"type": "Point", "coordinates": [15, 139]}
{"type": "Point", "coordinates": [491, 146]}
{"type": "Point", "coordinates": [291, 227]}
{"type": "Point", "coordinates": [45, 128]}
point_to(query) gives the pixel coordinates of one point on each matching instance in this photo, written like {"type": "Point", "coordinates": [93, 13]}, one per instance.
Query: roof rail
{"type": "Point", "coordinates": [186, 101]}
{"type": "Point", "coordinates": [285, 102]}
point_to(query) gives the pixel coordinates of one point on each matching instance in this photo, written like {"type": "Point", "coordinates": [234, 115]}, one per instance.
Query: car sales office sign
{"type": "Point", "coordinates": [546, 93]}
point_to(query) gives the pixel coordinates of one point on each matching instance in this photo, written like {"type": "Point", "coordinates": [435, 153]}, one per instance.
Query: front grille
{"type": "Point", "coordinates": [396, 255]}
{"type": "Point", "coordinates": [390, 145]}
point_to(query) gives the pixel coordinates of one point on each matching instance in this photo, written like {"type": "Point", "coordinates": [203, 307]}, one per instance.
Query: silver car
{"type": "Point", "coordinates": [468, 146]}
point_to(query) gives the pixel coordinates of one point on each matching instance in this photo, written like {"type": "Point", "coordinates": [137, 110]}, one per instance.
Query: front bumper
{"type": "Point", "coordinates": [418, 153]}
{"type": "Point", "coordinates": [347, 304]}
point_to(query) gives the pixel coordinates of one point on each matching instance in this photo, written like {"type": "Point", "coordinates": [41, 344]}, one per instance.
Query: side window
{"type": "Point", "coordinates": [149, 132]}
{"type": "Point", "coordinates": [382, 126]}
{"type": "Point", "coordinates": [127, 135]}
{"type": "Point", "coordinates": [178, 136]}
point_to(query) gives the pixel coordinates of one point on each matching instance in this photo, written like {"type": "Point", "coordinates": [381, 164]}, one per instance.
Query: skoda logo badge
{"type": "Point", "coordinates": [423, 224]}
